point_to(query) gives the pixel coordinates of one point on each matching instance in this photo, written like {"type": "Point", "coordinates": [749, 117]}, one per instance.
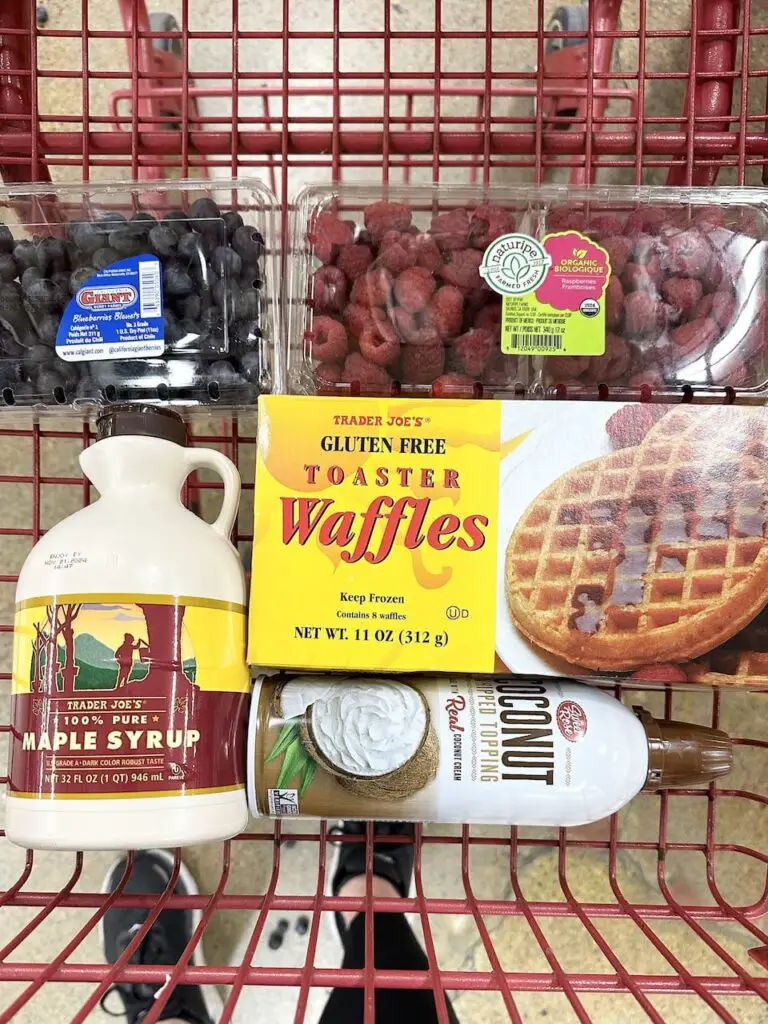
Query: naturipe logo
{"type": "Point", "coordinates": [515, 264]}
{"type": "Point", "coordinates": [104, 297]}
{"type": "Point", "coordinates": [571, 720]}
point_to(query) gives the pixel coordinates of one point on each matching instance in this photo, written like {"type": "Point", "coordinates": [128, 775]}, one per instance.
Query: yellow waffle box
{"type": "Point", "coordinates": [561, 538]}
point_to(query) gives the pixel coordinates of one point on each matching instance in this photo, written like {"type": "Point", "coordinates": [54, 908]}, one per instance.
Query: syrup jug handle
{"type": "Point", "coordinates": [207, 458]}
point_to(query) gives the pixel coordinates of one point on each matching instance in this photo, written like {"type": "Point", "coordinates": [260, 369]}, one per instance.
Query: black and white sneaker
{"type": "Point", "coordinates": [391, 860]}
{"type": "Point", "coordinates": [163, 944]}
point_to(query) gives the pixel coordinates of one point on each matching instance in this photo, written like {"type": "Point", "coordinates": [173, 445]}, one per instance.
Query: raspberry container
{"type": "Point", "coordinates": [159, 292]}
{"type": "Point", "coordinates": [547, 292]}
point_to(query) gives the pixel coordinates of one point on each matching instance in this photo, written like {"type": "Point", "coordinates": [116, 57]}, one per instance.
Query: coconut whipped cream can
{"type": "Point", "coordinates": [462, 749]}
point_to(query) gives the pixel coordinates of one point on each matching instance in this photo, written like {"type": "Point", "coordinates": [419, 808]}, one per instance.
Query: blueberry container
{"type": "Point", "coordinates": [130, 291]}
{"type": "Point", "coordinates": [542, 292]}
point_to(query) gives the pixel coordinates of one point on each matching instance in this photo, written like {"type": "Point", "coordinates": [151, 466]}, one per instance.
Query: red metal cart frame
{"type": "Point", "coordinates": [590, 125]}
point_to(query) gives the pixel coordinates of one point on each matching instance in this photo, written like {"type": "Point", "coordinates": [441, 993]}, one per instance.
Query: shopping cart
{"type": "Point", "coordinates": [661, 913]}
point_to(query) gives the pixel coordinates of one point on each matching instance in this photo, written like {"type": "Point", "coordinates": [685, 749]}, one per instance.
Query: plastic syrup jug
{"type": "Point", "coordinates": [129, 678]}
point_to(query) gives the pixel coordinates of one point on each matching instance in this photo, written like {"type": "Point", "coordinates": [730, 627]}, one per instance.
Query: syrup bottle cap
{"type": "Point", "coordinates": [141, 419]}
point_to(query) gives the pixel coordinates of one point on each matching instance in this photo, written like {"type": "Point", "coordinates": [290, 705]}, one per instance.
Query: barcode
{"type": "Point", "coordinates": [283, 802]}
{"type": "Point", "coordinates": [537, 342]}
{"type": "Point", "coordinates": [149, 288]}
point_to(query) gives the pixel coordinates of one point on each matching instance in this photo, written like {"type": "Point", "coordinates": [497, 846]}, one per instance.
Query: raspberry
{"type": "Point", "coordinates": [354, 260]}
{"type": "Point", "coordinates": [688, 253]}
{"type": "Point", "coordinates": [472, 351]}
{"type": "Point", "coordinates": [398, 254]}
{"type": "Point", "coordinates": [377, 287]}
{"type": "Point", "coordinates": [427, 253]}
{"type": "Point", "coordinates": [712, 278]}
{"type": "Point", "coordinates": [488, 223]}
{"type": "Point", "coordinates": [327, 236]}
{"type": "Point", "coordinates": [451, 230]}
{"type": "Point", "coordinates": [421, 364]}
{"type": "Point", "coordinates": [378, 350]}
{"type": "Point", "coordinates": [326, 376]}
{"type": "Point", "coordinates": [642, 314]}
{"type": "Point", "coordinates": [642, 277]}
{"type": "Point", "coordinates": [643, 248]}
{"type": "Point", "coordinates": [633, 225]}
{"type": "Point", "coordinates": [696, 336]}
{"type": "Point", "coordinates": [329, 290]}
{"type": "Point", "coordinates": [383, 325]}
{"type": "Point", "coordinates": [489, 317]}
{"type": "Point", "coordinates": [723, 308]}
{"type": "Point", "coordinates": [358, 370]}
{"type": "Point", "coordinates": [618, 248]}
{"type": "Point", "coordinates": [708, 217]}
{"type": "Point", "coordinates": [413, 289]}
{"type": "Point", "coordinates": [463, 269]}
{"type": "Point", "coordinates": [382, 217]}
{"type": "Point", "coordinates": [357, 317]}
{"type": "Point", "coordinates": [656, 218]}
{"type": "Point", "coordinates": [661, 673]}
{"type": "Point", "coordinates": [566, 368]}
{"type": "Point", "coordinates": [614, 303]}
{"type": "Point", "coordinates": [681, 292]}
{"type": "Point", "coordinates": [604, 225]}
{"type": "Point", "coordinates": [565, 218]}
{"type": "Point", "coordinates": [445, 311]}
{"type": "Point", "coordinates": [612, 364]}
{"type": "Point", "coordinates": [628, 426]}
{"type": "Point", "coordinates": [703, 307]}
{"type": "Point", "coordinates": [329, 339]}
{"type": "Point", "coordinates": [413, 328]}
{"type": "Point", "coordinates": [454, 385]}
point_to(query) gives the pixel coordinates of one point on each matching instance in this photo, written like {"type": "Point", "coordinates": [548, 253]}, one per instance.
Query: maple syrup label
{"type": "Point", "coordinates": [126, 695]}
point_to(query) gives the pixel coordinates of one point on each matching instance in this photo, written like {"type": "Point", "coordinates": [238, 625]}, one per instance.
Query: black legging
{"type": "Point", "coordinates": [395, 948]}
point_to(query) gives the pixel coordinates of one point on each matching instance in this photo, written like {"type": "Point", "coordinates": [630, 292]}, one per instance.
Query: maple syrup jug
{"type": "Point", "coordinates": [129, 677]}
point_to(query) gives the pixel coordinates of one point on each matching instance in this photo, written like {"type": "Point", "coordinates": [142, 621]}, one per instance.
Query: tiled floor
{"type": "Point", "coordinates": [459, 945]}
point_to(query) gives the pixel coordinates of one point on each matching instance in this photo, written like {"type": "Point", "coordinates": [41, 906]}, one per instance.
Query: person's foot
{"type": "Point", "coordinates": [163, 944]}
{"type": "Point", "coordinates": [392, 860]}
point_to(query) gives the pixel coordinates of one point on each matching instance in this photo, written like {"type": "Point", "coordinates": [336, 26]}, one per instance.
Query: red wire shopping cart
{"type": "Point", "coordinates": [659, 913]}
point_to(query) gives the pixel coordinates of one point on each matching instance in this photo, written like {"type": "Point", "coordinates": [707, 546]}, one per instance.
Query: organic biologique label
{"type": "Point", "coordinates": [553, 293]}
{"type": "Point", "coordinates": [127, 695]}
{"type": "Point", "coordinates": [116, 314]}
{"type": "Point", "coordinates": [448, 749]}
{"type": "Point", "coordinates": [375, 534]}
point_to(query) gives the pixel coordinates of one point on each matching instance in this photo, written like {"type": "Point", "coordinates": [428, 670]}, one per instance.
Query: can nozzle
{"type": "Point", "coordinates": [682, 754]}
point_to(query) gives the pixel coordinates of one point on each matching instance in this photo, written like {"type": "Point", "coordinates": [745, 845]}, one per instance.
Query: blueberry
{"type": "Point", "coordinates": [213, 330]}
{"type": "Point", "coordinates": [37, 357]}
{"type": "Point", "coordinates": [61, 278]}
{"type": "Point", "coordinates": [171, 329]}
{"type": "Point", "coordinates": [177, 220]}
{"type": "Point", "coordinates": [6, 239]}
{"type": "Point", "coordinates": [111, 221]}
{"type": "Point", "coordinates": [87, 237]}
{"type": "Point", "coordinates": [44, 297]}
{"type": "Point", "coordinates": [142, 222]}
{"type": "Point", "coordinates": [163, 240]}
{"type": "Point", "coordinates": [47, 328]}
{"type": "Point", "coordinates": [52, 256]}
{"type": "Point", "coordinates": [176, 280]}
{"type": "Point", "coordinates": [51, 384]}
{"type": "Point", "coordinates": [251, 276]}
{"type": "Point", "coordinates": [126, 241]}
{"type": "Point", "coordinates": [9, 346]}
{"type": "Point", "coordinates": [11, 293]}
{"type": "Point", "coordinates": [226, 295]}
{"type": "Point", "coordinates": [105, 258]}
{"type": "Point", "coordinates": [248, 305]}
{"type": "Point", "coordinates": [250, 367]}
{"type": "Point", "coordinates": [190, 307]}
{"type": "Point", "coordinates": [82, 275]}
{"type": "Point", "coordinates": [190, 248]}
{"type": "Point", "coordinates": [226, 262]}
{"type": "Point", "coordinates": [8, 268]}
{"type": "Point", "coordinates": [249, 243]}
{"type": "Point", "coordinates": [30, 275]}
{"type": "Point", "coordinates": [25, 254]}
{"type": "Point", "coordinates": [201, 212]}
{"type": "Point", "coordinates": [223, 372]}
{"type": "Point", "coordinates": [232, 221]}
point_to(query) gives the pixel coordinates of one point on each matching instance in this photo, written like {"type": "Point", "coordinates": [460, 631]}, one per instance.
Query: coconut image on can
{"type": "Point", "coordinates": [374, 736]}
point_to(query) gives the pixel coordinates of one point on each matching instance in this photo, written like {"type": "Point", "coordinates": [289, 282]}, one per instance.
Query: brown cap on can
{"type": "Point", "coordinates": [143, 420]}
{"type": "Point", "coordinates": [682, 754]}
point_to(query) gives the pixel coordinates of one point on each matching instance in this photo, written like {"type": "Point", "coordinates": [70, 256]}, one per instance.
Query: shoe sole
{"type": "Point", "coordinates": [214, 1004]}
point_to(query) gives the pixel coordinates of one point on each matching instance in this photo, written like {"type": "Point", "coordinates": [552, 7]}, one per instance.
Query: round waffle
{"type": "Point", "coordinates": [655, 553]}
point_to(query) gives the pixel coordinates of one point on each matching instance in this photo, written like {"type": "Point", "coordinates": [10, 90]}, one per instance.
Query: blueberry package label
{"type": "Point", "coordinates": [116, 314]}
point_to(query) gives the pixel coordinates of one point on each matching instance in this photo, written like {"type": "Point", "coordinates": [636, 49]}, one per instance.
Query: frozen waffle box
{"type": "Point", "coordinates": [602, 292]}
{"type": "Point", "coordinates": [588, 539]}
{"type": "Point", "coordinates": [115, 292]}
